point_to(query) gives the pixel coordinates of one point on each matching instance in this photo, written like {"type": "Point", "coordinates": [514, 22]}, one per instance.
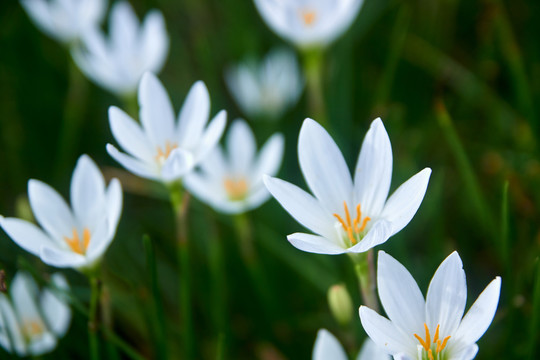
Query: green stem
{"type": "Point", "coordinates": [106, 320]}
{"type": "Point", "coordinates": [180, 202]}
{"type": "Point", "coordinates": [313, 63]}
{"type": "Point", "coordinates": [159, 315]}
{"type": "Point", "coordinates": [365, 272]}
{"type": "Point", "coordinates": [92, 318]}
{"type": "Point", "coordinates": [535, 320]}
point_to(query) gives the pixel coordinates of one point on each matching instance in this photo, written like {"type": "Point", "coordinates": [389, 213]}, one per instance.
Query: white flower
{"type": "Point", "coordinates": [117, 64]}
{"type": "Point", "coordinates": [232, 183]}
{"type": "Point", "coordinates": [309, 23]}
{"type": "Point", "coordinates": [433, 329]}
{"type": "Point", "coordinates": [31, 322]}
{"type": "Point", "coordinates": [161, 149]}
{"type": "Point", "coordinates": [65, 20]}
{"type": "Point", "coordinates": [327, 347]}
{"type": "Point", "coordinates": [347, 216]}
{"type": "Point", "coordinates": [266, 89]}
{"type": "Point", "coordinates": [73, 237]}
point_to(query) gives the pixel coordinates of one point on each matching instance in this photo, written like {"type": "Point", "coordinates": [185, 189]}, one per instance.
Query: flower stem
{"type": "Point", "coordinates": [180, 202]}
{"type": "Point", "coordinates": [313, 63]}
{"type": "Point", "coordinates": [92, 318]}
{"type": "Point", "coordinates": [365, 272]}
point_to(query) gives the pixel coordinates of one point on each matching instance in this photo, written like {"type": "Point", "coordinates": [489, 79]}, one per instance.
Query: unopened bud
{"type": "Point", "coordinates": [340, 304]}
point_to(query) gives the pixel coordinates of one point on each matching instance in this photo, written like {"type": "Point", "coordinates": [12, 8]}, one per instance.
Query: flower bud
{"type": "Point", "coordinates": [340, 304]}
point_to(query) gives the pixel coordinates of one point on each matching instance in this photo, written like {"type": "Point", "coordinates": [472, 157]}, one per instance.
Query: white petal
{"type": "Point", "coordinates": [303, 207]}
{"type": "Point", "coordinates": [99, 242]}
{"type": "Point", "coordinates": [324, 167]}
{"type": "Point", "coordinates": [133, 165]}
{"type": "Point", "coordinates": [257, 197]}
{"type": "Point", "coordinates": [241, 147]}
{"type": "Point", "coordinates": [24, 292]}
{"type": "Point", "coordinates": [327, 347]}
{"type": "Point", "coordinates": [400, 296]}
{"type": "Point", "coordinates": [211, 135]}
{"type": "Point", "coordinates": [315, 244]}
{"type": "Point", "coordinates": [204, 188]}
{"type": "Point", "coordinates": [54, 307]}
{"type": "Point", "coordinates": [481, 313]}
{"type": "Point", "coordinates": [114, 204]}
{"type": "Point", "coordinates": [373, 172]}
{"type": "Point", "coordinates": [8, 319]}
{"type": "Point", "coordinates": [179, 163]}
{"type": "Point", "coordinates": [193, 115]}
{"type": "Point", "coordinates": [384, 333]}
{"type": "Point", "coordinates": [466, 353]}
{"type": "Point", "coordinates": [214, 164]}
{"type": "Point", "coordinates": [43, 344]}
{"type": "Point", "coordinates": [270, 157]}
{"type": "Point", "coordinates": [61, 258]}
{"type": "Point", "coordinates": [129, 135]}
{"type": "Point", "coordinates": [405, 201]}
{"type": "Point", "coordinates": [370, 351]}
{"type": "Point", "coordinates": [87, 192]}
{"type": "Point", "coordinates": [50, 209]}
{"type": "Point", "coordinates": [26, 235]}
{"type": "Point", "coordinates": [155, 41]}
{"type": "Point", "coordinates": [378, 234]}
{"type": "Point", "coordinates": [447, 296]}
{"type": "Point", "coordinates": [124, 27]}
{"type": "Point", "coordinates": [156, 113]}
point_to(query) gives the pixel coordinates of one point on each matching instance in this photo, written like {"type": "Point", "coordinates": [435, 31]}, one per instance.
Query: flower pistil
{"type": "Point", "coordinates": [75, 243]}
{"type": "Point", "coordinates": [354, 228]}
{"type": "Point", "coordinates": [438, 344]}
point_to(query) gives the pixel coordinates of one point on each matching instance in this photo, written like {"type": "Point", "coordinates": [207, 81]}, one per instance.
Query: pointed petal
{"type": "Point", "coordinates": [481, 313]}
{"type": "Point", "coordinates": [99, 242]}
{"type": "Point", "coordinates": [211, 135]}
{"type": "Point", "coordinates": [384, 333]}
{"type": "Point", "coordinates": [13, 334]}
{"type": "Point", "coordinates": [323, 166]}
{"type": "Point", "coordinates": [327, 347]}
{"type": "Point", "coordinates": [55, 308]}
{"type": "Point", "coordinates": [447, 296]}
{"type": "Point", "coordinates": [179, 163]}
{"type": "Point", "coordinates": [50, 209]}
{"type": "Point", "coordinates": [87, 192]}
{"type": "Point", "coordinates": [270, 157]}
{"type": "Point", "coordinates": [257, 197]}
{"type": "Point", "coordinates": [400, 296]}
{"type": "Point", "coordinates": [370, 351]}
{"type": "Point", "coordinates": [373, 172]}
{"type": "Point", "coordinates": [241, 147]}
{"type": "Point", "coordinates": [378, 234]}
{"type": "Point", "coordinates": [26, 235]}
{"type": "Point", "coordinates": [156, 112]}
{"type": "Point", "coordinates": [114, 204]}
{"type": "Point", "coordinates": [303, 207]}
{"type": "Point", "coordinates": [193, 115]}
{"type": "Point", "coordinates": [124, 27]}
{"type": "Point", "coordinates": [133, 165]}
{"type": "Point", "coordinates": [466, 353]}
{"type": "Point", "coordinates": [315, 244]}
{"type": "Point", "coordinates": [61, 258]}
{"type": "Point", "coordinates": [45, 343]}
{"type": "Point", "coordinates": [24, 293]}
{"type": "Point", "coordinates": [129, 135]}
{"type": "Point", "coordinates": [155, 41]}
{"type": "Point", "coordinates": [405, 201]}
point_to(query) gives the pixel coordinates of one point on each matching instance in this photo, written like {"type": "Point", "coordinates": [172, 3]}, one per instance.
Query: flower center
{"type": "Point", "coordinates": [432, 349]}
{"type": "Point", "coordinates": [353, 228]}
{"type": "Point", "coordinates": [31, 328]}
{"type": "Point", "coordinates": [308, 16]}
{"type": "Point", "coordinates": [163, 154]}
{"type": "Point", "coordinates": [76, 244]}
{"type": "Point", "coordinates": [236, 188]}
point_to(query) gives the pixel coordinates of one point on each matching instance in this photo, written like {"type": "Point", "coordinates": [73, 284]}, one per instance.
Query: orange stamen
{"type": "Point", "coordinates": [426, 344]}
{"type": "Point", "coordinates": [309, 16]}
{"type": "Point", "coordinates": [74, 242]}
{"type": "Point", "coordinates": [235, 188]}
{"type": "Point", "coordinates": [351, 228]}
{"type": "Point", "coordinates": [163, 154]}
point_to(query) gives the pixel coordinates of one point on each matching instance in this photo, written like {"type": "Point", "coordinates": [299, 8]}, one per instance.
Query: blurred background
{"type": "Point", "coordinates": [457, 84]}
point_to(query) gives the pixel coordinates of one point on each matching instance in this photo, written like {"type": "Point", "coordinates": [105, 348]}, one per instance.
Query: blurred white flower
{"type": "Point", "coordinates": [31, 322]}
{"type": "Point", "coordinates": [347, 216]}
{"type": "Point", "coordinates": [118, 63]}
{"type": "Point", "coordinates": [309, 23]}
{"type": "Point", "coordinates": [162, 149]}
{"type": "Point", "coordinates": [327, 347]}
{"type": "Point", "coordinates": [433, 329]}
{"type": "Point", "coordinates": [65, 20]}
{"type": "Point", "coordinates": [73, 237]}
{"type": "Point", "coordinates": [232, 183]}
{"type": "Point", "coordinates": [266, 89]}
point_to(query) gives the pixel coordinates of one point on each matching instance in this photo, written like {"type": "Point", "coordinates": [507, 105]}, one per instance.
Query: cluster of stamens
{"type": "Point", "coordinates": [438, 344]}
{"type": "Point", "coordinates": [163, 154]}
{"type": "Point", "coordinates": [236, 188]}
{"type": "Point", "coordinates": [74, 242]}
{"type": "Point", "coordinates": [353, 228]}
{"type": "Point", "coordinates": [308, 16]}
{"type": "Point", "coordinates": [32, 328]}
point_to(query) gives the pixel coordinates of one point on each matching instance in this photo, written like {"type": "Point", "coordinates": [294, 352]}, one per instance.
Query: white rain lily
{"type": "Point", "coordinates": [31, 322]}
{"type": "Point", "coordinates": [73, 237]}
{"type": "Point", "coordinates": [309, 23]}
{"type": "Point", "coordinates": [232, 183]}
{"type": "Point", "coordinates": [328, 347]}
{"type": "Point", "coordinates": [266, 89]}
{"type": "Point", "coordinates": [161, 149]}
{"type": "Point", "coordinates": [347, 216]}
{"type": "Point", "coordinates": [118, 63]}
{"type": "Point", "coordinates": [433, 329]}
{"type": "Point", "coordinates": [65, 20]}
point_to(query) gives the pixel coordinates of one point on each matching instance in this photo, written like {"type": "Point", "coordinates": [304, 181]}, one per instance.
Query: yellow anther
{"type": "Point", "coordinates": [163, 154]}
{"type": "Point", "coordinates": [351, 228]}
{"type": "Point", "coordinates": [426, 344]}
{"type": "Point", "coordinates": [309, 16]}
{"type": "Point", "coordinates": [235, 188]}
{"type": "Point", "coordinates": [74, 242]}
